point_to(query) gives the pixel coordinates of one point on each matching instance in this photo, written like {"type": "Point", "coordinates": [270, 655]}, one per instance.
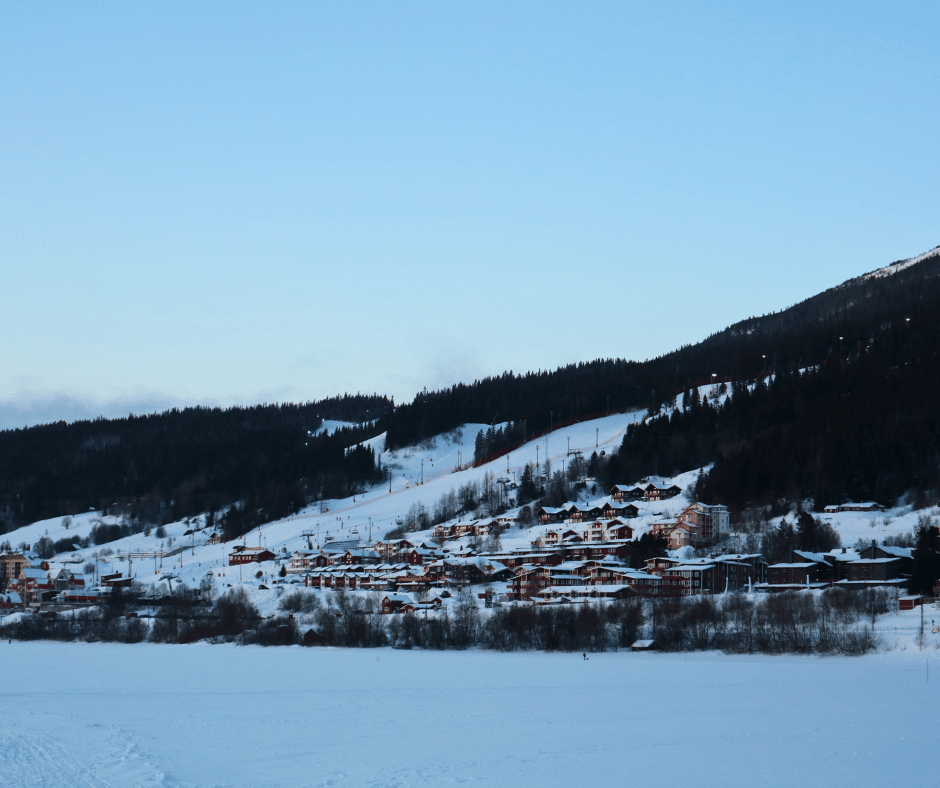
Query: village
{"type": "Point", "coordinates": [579, 554]}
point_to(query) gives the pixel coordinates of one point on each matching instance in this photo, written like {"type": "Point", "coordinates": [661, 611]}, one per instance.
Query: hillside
{"type": "Point", "coordinates": [833, 399]}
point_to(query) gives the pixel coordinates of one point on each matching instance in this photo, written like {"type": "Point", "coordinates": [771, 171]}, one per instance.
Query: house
{"type": "Point", "coordinates": [215, 538]}
{"type": "Point", "coordinates": [529, 581]}
{"type": "Point", "coordinates": [867, 506]}
{"type": "Point", "coordinates": [549, 514]}
{"type": "Point", "coordinates": [619, 510]}
{"type": "Point", "coordinates": [656, 493]}
{"type": "Point", "coordinates": [11, 600]}
{"type": "Point", "coordinates": [683, 535]}
{"type": "Point", "coordinates": [475, 570]}
{"type": "Point", "coordinates": [32, 583]}
{"type": "Point", "coordinates": [621, 493]}
{"type": "Point", "coordinates": [398, 603]}
{"type": "Point", "coordinates": [248, 555]}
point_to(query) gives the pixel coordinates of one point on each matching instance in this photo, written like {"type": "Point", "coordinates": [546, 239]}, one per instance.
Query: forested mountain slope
{"type": "Point", "coordinates": [842, 319]}
{"type": "Point", "coordinates": [860, 423]}
{"type": "Point", "coordinates": [165, 466]}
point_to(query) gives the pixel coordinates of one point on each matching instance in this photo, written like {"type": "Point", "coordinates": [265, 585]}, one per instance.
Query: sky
{"type": "Point", "coordinates": [231, 203]}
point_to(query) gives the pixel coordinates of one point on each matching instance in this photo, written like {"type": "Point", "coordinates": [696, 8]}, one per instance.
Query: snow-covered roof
{"type": "Point", "coordinates": [900, 552]}
{"type": "Point", "coordinates": [794, 566]}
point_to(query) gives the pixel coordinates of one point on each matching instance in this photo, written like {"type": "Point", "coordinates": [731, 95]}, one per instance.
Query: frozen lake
{"type": "Point", "coordinates": [113, 715]}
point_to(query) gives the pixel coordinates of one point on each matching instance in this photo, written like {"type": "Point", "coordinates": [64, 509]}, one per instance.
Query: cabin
{"type": "Point", "coordinates": [398, 603]}
{"type": "Point", "coordinates": [621, 493]}
{"type": "Point", "coordinates": [250, 555]}
{"type": "Point", "coordinates": [867, 506]}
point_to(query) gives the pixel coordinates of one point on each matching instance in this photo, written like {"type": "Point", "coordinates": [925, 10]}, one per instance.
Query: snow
{"type": "Point", "coordinates": [186, 716]}
{"type": "Point", "coordinates": [894, 268]}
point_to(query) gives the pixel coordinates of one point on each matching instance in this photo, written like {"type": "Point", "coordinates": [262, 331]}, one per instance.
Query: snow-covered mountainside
{"type": "Point", "coordinates": [897, 267]}
{"type": "Point", "coordinates": [420, 475]}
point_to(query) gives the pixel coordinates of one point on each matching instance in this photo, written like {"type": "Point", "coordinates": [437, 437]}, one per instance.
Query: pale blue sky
{"type": "Point", "coordinates": [223, 202]}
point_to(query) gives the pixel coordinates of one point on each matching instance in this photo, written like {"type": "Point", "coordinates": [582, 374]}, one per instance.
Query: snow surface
{"type": "Point", "coordinates": [894, 268]}
{"type": "Point", "coordinates": [152, 715]}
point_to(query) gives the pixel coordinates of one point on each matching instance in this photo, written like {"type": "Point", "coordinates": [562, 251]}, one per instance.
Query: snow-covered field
{"type": "Point", "coordinates": [148, 715]}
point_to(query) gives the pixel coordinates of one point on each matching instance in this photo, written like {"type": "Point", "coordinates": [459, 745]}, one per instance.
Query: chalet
{"type": "Point", "coordinates": [618, 510]}
{"type": "Point", "coordinates": [529, 581]}
{"type": "Point", "coordinates": [656, 493]}
{"type": "Point", "coordinates": [618, 530]}
{"type": "Point", "coordinates": [32, 583]}
{"type": "Point", "coordinates": [248, 555]}
{"type": "Point", "coordinates": [556, 537]}
{"type": "Point", "coordinates": [683, 535]}
{"type": "Point", "coordinates": [67, 580]}
{"type": "Point", "coordinates": [663, 528]}
{"type": "Point", "coordinates": [79, 596]}
{"type": "Point", "coordinates": [11, 600]}
{"type": "Point", "coordinates": [661, 563]}
{"type": "Point", "coordinates": [475, 570]}
{"type": "Point", "coordinates": [620, 493]}
{"type": "Point", "coordinates": [359, 556]}
{"type": "Point", "coordinates": [398, 603]}
{"type": "Point", "coordinates": [420, 555]}
{"type": "Point", "coordinates": [215, 538]}
{"type": "Point", "coordinates": [585, 592]}
{"type": "Point", "coordinates": [585, 551]}
{"type": "Point", "coordinates": [549, 514]}
{"type": "Point", "coordinates": [868, 506]}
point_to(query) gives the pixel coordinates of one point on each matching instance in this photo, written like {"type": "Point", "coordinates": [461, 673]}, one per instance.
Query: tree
{"type": "Point", "coordinates": [526, 520]}
{"type": "Point", "coordinates": [777, 543]}
{"type": "Point", "coordinates": [44, 547]}
{"type": "Point", "coordinates": [528, 491]}
{"type": "Point", "coordinates": [925, 570]}
{"type": "Point", "coordinates": [466, 619]}
{"type": "Point", "coordinates": [814, 535]}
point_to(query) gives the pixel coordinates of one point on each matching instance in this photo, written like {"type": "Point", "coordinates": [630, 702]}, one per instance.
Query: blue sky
{"type": "Point", "coordinates": [233, 203]}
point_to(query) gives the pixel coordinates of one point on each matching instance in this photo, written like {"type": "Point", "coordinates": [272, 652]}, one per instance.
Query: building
{"type": "Point", "coordinates": [10, 565]}
{"type": "Point", "coordinates": [712, 522]}
{"type": "Point", "coordinates": [249, 555]}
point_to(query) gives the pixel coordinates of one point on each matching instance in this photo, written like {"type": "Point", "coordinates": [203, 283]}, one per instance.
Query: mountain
{"type": "Point", "coordinates": [832, 399]}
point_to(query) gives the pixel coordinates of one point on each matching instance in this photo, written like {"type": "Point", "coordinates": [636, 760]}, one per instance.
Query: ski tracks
{"type": "Point", "coordinates": [37, 760]}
